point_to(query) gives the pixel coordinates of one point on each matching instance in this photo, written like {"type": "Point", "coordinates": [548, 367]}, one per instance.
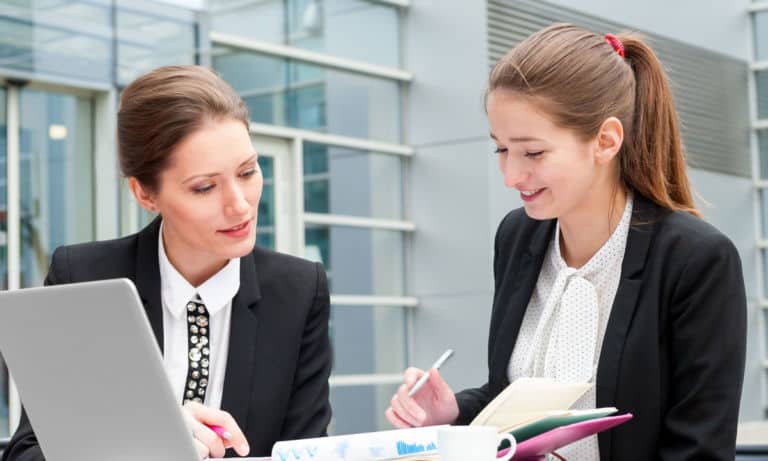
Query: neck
{"type": "Point", "coordinates": [585, 230]}
{"type": "Point", "coordinates": [196, 268]}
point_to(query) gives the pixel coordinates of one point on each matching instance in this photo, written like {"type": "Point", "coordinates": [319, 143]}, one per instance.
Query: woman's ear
{"type": "Point", "coordinates": [609, 140]}
{"type": "Point", "coordinates": [143, 195]}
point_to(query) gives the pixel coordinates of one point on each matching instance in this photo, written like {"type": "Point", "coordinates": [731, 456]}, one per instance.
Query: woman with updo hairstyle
{"type": "Point", "coordinates": [608, 274]}
{"type": "Point", "coordinates": [243, 330]}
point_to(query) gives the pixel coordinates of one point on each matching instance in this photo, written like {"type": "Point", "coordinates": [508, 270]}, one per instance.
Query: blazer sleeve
{"type": "Point", "coordinates": [707, 321]}
{"type": "Point", "coordinates": [23, 446]}
{"type": "Point", "coordinates": [471, 402]}
{"type": "Point", "coordinates": [309, 410]}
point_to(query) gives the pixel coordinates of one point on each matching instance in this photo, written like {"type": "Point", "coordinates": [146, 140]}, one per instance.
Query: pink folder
{"type": "Point", "coordinates": [535, 447]}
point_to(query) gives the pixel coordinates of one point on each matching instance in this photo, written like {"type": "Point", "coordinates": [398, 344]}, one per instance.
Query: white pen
{"type": "Point", "coordinates": [438, 363]}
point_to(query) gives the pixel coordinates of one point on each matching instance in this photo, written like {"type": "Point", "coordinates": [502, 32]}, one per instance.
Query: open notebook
{"type": "Point", "coordinates": [528, 400]}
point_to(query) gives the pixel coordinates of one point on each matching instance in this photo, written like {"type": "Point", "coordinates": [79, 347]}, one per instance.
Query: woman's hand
{"type": "Point", "coordinates": [433, 404]}
{"type": "Point", "coordinates": [207, 442]}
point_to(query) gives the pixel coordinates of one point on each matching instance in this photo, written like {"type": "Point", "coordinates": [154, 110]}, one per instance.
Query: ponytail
{"type": "Point", "coordinates": [653, 161]}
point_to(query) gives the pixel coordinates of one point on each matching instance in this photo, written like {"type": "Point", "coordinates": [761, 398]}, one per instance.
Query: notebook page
{"type": "Point", "coordinates": [528, 399]}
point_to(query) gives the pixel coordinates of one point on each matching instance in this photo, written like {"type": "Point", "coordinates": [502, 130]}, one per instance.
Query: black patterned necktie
{"type": "Point", "coordinates": [199, 351]}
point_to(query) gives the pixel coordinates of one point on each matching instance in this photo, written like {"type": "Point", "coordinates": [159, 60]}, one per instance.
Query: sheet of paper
{"type": "Point", "coordinates": [360, 447]}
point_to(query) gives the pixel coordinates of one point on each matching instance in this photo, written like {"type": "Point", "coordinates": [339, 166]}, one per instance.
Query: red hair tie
{"type": "Point", "coordinates": [615, 43]}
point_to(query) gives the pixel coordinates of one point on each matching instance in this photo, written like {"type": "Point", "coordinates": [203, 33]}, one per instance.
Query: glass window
{"type": "Point", "coordinates": [764, 213]}
{"type": "Point", "coordinates": [360, 408]}
{"type": "Point", "coordinates": [761, 83]}
{"type": "Point", "coordinates": [353, 29]}
{"type": "Point", "coordinates": [283, 92]}
{"type": "Point", "coordinates": [56, 169]}
{"type": "Point", "coordinates": [368, 339]}
{"type": "Point", "coordinates": [357, 260]}
{"type": "Point", "coordinates": [71, 38]}
{"type": "Point", "coordinates": [762, 149]}
{"type": "Point", "coordinates": [74, 39]}
{"type": "Point", "coordinates": [765, 274]}
{"type": "Point", "coordinates": [151, 34]}
{"type": "Point", "coordinates": [761, 35]}
{"type": "Point", "coordinates": [265, 227]}
{"type": "Point", "coordinates": [352, 182]}
{"type": "Point", "coordinates": [4, 426]}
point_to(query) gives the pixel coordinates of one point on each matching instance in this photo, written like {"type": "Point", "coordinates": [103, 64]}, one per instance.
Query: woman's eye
{"type": "Point", "coordinates": [248, 173]}
{"type": "Point", "coordinates": [202, 189]}
{"type": "Point", "coordinates": [534, 154]}
{"type": "Point", "coordinates": [500, 150]}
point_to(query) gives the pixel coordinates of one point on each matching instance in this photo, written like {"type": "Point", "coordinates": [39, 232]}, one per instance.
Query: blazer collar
{"type": "Point", "coordinates": [148, 277]}
{"type": "Point", "coordinates": [514, 297]}
{"type": "Point", "coordinates": [243, 336]}
{"type": "Point", "coordinates": [645, 217]}
{"type": "Point", "coordinates": [541, 238]}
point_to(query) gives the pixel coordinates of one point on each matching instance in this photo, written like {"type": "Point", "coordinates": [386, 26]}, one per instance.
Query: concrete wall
{"type": "Point", "coordinates": [450, 270]}
{"type": "Point", "coordinates": [716, 25]}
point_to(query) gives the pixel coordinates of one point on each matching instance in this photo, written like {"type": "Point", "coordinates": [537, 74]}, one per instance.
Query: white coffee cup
{"type": "Point", "coordinates": [475, 443]}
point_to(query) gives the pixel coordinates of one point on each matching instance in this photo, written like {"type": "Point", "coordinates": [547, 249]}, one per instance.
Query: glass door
{"type": "Point", "coordinates": [274, 220]}
{"type": "Point", "coordinates": [56, 177]}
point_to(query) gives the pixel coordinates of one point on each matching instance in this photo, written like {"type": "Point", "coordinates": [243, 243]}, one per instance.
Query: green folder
{"type": "Point", "coordinates": [553, 421]}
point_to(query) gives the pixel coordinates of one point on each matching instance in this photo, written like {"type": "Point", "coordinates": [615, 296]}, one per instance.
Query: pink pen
{"type": "Point", "coordinates": [220, 431]}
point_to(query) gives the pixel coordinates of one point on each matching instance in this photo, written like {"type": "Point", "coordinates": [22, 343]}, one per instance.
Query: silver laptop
{"type": "Point", "coordinates": [90, 374]}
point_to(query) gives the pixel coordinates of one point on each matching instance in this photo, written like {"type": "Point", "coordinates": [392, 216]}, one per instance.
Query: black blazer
{"type": "Point", "coordinates": [276, 384]}
{"type": "Point", "coordinates": [674, 349]}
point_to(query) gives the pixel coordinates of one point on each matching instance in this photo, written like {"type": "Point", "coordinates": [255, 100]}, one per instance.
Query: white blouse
{"type": "Point", "coordinates": [563, 327]}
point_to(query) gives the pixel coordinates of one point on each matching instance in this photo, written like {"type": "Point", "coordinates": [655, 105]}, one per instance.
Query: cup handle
{"type": "Point", "coordinates": [512, 446]}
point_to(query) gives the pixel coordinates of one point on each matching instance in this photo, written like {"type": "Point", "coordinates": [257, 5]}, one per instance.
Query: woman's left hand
{"type": "Point", "coordinates": [198, 417]}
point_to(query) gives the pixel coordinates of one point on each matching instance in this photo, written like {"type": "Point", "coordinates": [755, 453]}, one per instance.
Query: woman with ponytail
{"type": "Point", "coordinates": [608, 274]}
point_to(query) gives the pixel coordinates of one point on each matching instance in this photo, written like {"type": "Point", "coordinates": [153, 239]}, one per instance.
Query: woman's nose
{"type": "Point", "coordinates": [513, 171]}
{"type": "Point", "coordinates": [237, 203]}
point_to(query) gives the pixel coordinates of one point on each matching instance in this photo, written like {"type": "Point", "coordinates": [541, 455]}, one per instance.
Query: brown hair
{"type": "Point", "coordinates": [578, 78]}
{"type": "Point", "coordinates": [160, 108]}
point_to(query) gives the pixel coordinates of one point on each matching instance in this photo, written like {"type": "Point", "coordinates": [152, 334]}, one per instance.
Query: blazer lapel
{"type": "Point", "coordinates": [242, 344]}
{"type": "Point", "coordinates": [514, 295]}
{"type": "Point", "coordinates": [641, 231]}
{"type": "Point", "coordinates": [148, 277]}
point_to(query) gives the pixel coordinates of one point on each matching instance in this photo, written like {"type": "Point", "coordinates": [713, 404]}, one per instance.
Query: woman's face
{"type": "Point", "coordinates": [554, 170]}
{"type": "Point", "coordinates": [209, 194]}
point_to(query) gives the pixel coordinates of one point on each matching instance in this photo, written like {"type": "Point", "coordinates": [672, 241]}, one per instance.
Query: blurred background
{"type": "Point", "coordinates": [368, 118]}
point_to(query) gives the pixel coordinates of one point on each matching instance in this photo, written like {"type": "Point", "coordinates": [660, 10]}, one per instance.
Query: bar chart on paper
{"type": "Point", "coordinates": [352, 447]}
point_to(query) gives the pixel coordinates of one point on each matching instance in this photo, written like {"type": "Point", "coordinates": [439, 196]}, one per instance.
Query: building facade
{"type": "Point", "coordinates": [368, 118]}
